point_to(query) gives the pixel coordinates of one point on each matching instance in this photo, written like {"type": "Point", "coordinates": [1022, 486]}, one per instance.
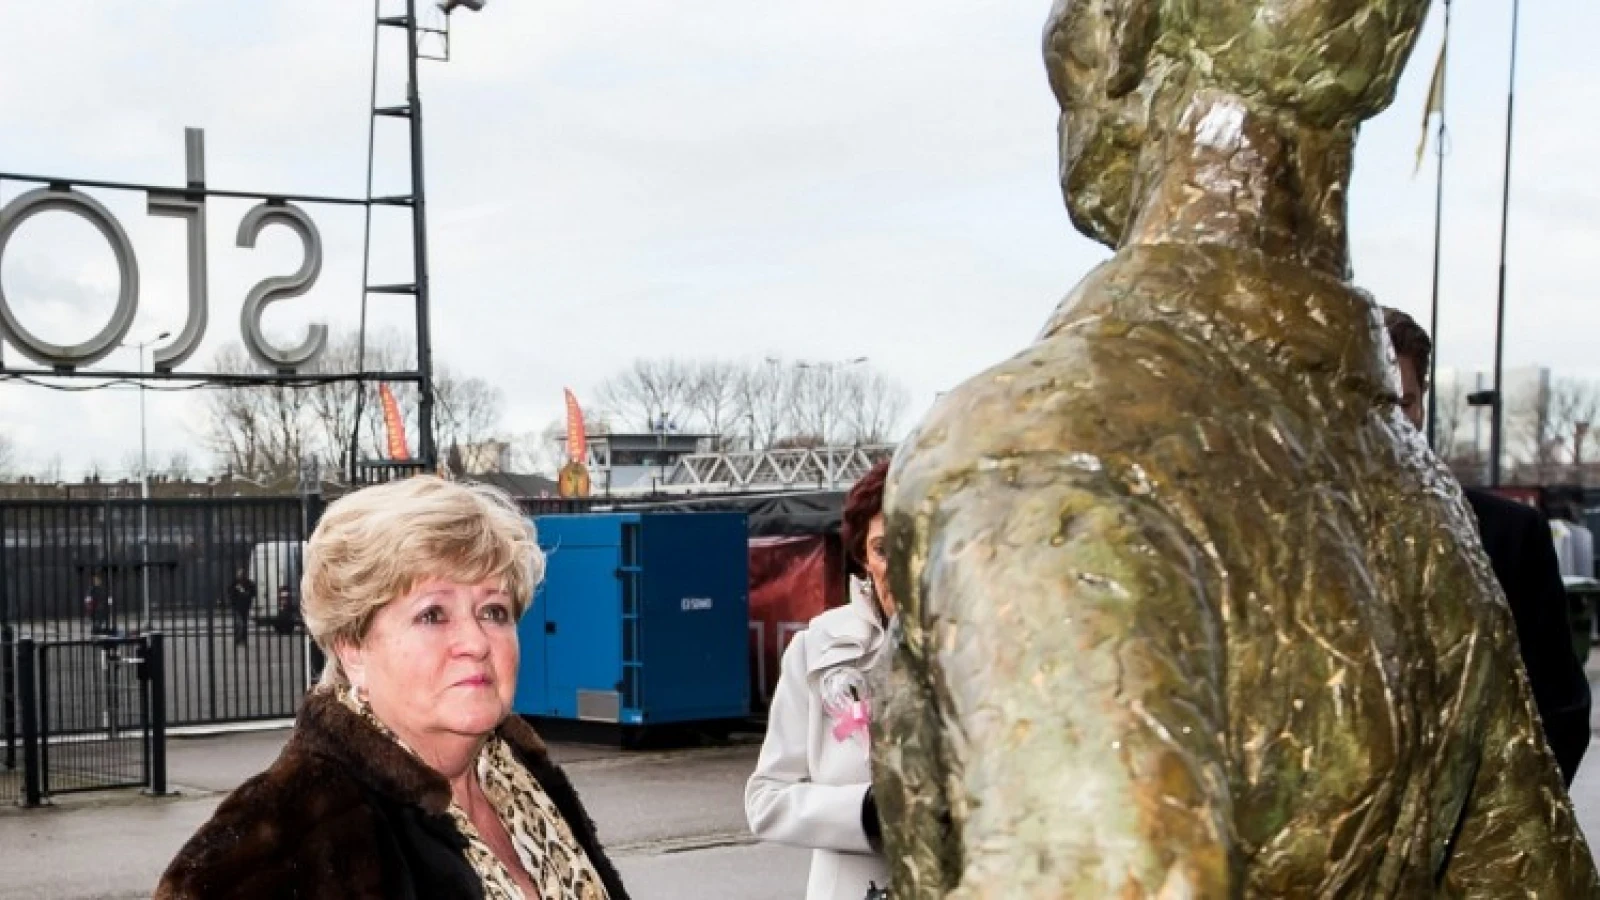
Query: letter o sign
{"type": "Point", "coordinates": [98, 347]}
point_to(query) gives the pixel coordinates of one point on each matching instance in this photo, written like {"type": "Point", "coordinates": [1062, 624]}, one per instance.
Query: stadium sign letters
{"type": "Point", "coordinates": [189, 205]}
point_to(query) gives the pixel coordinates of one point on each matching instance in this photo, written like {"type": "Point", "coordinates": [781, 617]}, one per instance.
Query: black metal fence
{"type": "Point", "coordinates": [11, 771]}
{"type": "Point", "coordinates": [91, 716]}
{"type": "Point", "coordinates": [75, 570]}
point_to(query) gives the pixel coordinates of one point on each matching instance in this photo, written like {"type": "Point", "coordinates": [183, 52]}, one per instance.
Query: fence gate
{"type": "Point", "coordinates": [92, 716]}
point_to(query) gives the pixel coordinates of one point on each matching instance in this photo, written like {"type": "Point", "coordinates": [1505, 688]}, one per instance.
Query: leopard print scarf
{"type": "Point", "coordinates": [545, 845]}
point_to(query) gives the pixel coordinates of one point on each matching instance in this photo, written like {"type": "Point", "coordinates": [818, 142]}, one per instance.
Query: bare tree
{"type": "Point", "coordinates": [266, 431]}
{"type": "Point", "coordinates": [262, 431]}
{"type": "Point", "coordinates": [841, 403]}
{"type": "Point", "coordinates": [133, 464]}
{"type": "Point", "coordinates": [1529, 423]}
{"type": "Point", "coordinates": [761, 402]}
{"type": "Point", "coordinates": [873, 406]}
{"type": "Point", "coordinates": [714, 396]}
{"type": "Point", "coordinates": [8, 458]}
{"type": "Point", "coordinates": [335, 405]}
{"type": "Point", "coordinates": [540, 452]}
{"type": "Point", "coordinates": [651, 392]}
{"type": "Point", "coordinates": [466, 411]}
{"type": "Point", "coordinates": [815, 400]}
{"type": "Point", "coordinates": [178, 467]}
{"type": "Point", "coordinates": [1574, 403]}
{"type": "Point", "coordinates": [1450, 414]}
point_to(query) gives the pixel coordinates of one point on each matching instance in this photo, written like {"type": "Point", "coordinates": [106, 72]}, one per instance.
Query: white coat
{"type": "Point", "coordinates": [809, 785]}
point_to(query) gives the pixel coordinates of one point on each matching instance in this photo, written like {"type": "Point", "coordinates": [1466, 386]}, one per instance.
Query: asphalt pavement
{"type": "Point", "coordinates": [673, 822]}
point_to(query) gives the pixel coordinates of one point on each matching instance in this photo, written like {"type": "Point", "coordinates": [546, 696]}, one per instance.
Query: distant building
{"type": "Point", "coordinates": [639, 463]}
{"type": "Point", "coordinates": [521, 487]}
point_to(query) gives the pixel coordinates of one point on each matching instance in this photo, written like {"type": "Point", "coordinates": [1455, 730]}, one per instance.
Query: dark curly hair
{"type": "Point", "coordinates": [864, 501]}
{"type": "Point", "coordinates": [1410, 342]}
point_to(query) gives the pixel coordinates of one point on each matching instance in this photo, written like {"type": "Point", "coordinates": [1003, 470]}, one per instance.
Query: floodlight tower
{"type": "Point", "coordinates": [416, 200]}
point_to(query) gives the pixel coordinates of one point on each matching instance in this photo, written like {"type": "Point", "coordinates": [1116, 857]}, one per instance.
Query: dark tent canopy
{"type": "Point", "coordinates": [771, 515]}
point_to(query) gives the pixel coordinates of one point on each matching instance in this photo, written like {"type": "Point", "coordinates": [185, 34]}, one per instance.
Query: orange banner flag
{"type": "Point", "coordinates": [394, 425]}
{"type": "Point", "coordinates": [577, 440]}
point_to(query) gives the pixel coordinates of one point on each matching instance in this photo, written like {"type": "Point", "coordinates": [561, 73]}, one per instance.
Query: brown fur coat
{"type": "Point", "coordinates": [347, 813]}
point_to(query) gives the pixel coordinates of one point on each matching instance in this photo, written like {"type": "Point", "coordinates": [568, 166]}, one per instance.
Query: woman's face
{"type": "Point", "coordinates": [877, 564]}
{"type": "Point", "coordinates": [441, 660]}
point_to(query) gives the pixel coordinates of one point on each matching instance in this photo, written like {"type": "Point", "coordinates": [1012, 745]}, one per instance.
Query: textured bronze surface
{"type": "Point", "coordinates": [1188, 609]}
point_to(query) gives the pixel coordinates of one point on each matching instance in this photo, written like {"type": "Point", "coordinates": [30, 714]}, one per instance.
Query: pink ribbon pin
{"type": "Point", "coordinates": [856, 716]}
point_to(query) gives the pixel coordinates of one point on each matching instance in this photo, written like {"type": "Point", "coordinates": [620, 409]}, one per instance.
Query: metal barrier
{"type": "Point", "coordinates": [79, 570]}
{"type": "Point", "coordinates": [92, 716]}
{"type": "Point", "coordinates": [11, 787]}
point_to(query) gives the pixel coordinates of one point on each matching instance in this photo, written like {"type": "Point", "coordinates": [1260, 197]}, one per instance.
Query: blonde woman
{"type": "Point", "coordinates": [407, 775]}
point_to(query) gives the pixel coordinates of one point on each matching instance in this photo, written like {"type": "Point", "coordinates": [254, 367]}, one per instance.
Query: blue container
{"type": "Point", "coordinates": [642, 619]}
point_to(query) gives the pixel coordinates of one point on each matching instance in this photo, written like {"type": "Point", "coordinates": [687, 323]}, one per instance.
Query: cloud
{"type": "Point", "coordinates": [821, 179]}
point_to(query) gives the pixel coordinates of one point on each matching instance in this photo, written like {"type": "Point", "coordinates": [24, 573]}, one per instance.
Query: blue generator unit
{"type": "Point", "coordinates": [643, 619]}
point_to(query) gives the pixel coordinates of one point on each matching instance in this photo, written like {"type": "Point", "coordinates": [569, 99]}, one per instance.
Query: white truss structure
{"type": "Point", "coordinates": [828, 468]}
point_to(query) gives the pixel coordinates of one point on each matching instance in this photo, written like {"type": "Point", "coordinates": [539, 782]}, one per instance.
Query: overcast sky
{"type": "Point", "coordinates": [821, 180]}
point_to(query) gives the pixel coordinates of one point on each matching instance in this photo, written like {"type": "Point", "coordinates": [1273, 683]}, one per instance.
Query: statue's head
{"type": "Point", "coordinates": [1122, 70]}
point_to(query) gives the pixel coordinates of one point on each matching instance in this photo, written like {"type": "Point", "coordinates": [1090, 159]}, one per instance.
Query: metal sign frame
{"type": "Point", "coordinates": [281, 364]}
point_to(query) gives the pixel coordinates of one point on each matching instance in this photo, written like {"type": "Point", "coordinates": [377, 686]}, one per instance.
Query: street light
{"type": "Point", "coordinates": [829, 367]}
{"type": "Point", "coordinates": [144, 487]}
{"type": "Point", "coordinates": [144, 465]}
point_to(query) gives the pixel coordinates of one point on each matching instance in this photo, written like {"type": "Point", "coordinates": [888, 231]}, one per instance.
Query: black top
{"type": "Point", "coordinates": [1517, 539]}
{"type": "Point", "coordinates": [243, 594]}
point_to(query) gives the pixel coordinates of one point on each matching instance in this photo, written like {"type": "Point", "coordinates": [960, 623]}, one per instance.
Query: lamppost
{"type": "Point", "coordinates": [144, 491]}
{"type": "Point", "coordinates": [1497, 408]}
{"type": "Point", "coordinates": [829, 478]}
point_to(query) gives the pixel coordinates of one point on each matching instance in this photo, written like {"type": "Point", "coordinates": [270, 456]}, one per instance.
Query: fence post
{"type": "Point", "coordinates": [8, 662]}
{"type": "Point", "coordinates": [33, 791]}
{"type": "Point", "coordinates": [211, 551]}
{"type": "Point", "coordinates": [41, 696]}
{"type": "Point", "coordinates": [155, 655]}
{"type": "Point", "coordinates": [8, 674]}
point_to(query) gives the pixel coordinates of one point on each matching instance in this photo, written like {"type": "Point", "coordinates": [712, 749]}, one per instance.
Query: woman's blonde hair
{"type": "Point", "coordinates": [375, 545]}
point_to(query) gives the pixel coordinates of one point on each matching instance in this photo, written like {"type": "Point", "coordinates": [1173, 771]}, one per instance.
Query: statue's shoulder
{"type": "Point", "coordinates": [1077, 400]}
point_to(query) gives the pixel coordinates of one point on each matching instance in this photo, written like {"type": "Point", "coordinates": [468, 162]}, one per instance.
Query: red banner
{"type": "Point", "coordinates": [792, 581]}
{"type": "Point", "coordinates": [394, 425]}
{"type": "Point", "coordinates": [577, 440]}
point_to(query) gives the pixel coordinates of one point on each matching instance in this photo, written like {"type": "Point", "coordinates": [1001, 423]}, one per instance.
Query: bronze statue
{"type": "Point", "coordinates": [1188, 609]}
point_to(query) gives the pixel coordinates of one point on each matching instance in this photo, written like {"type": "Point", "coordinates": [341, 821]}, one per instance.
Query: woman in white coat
{"type": "Point", "coordinates": [813, 784]}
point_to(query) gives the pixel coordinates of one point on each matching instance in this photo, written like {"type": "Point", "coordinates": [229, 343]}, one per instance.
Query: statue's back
{"type": "Point", "coordinates": [1190, 612]}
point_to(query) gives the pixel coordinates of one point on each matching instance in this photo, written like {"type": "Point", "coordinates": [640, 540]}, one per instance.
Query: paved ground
{"type": "Point", "coordinates": [674, 822]}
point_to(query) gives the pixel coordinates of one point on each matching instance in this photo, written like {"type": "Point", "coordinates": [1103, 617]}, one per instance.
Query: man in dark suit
{"type": "Point", "coordinates": [1517, 540]}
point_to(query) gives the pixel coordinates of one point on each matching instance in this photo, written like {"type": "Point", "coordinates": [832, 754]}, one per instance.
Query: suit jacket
{"type": "Point", "coordinates": [1517, 539]}
{"type": "Point", "coordinates": [345, 813]}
